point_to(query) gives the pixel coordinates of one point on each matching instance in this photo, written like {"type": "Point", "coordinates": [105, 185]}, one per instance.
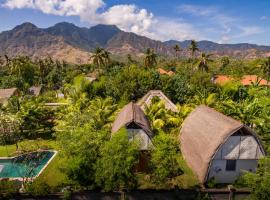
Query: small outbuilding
{"type": "Point", "coordinates": [146, 100]}
{"type": "Point", "coordinates": [35, 90]}
{"type": "Point", "coordinates": [134, 120]}
{"type": "Point", "coordinates": [217, 146]}
{"type": "Point", "coordinates": [162, 71]}
{"type": "Point", "coordinates": [6, 94]}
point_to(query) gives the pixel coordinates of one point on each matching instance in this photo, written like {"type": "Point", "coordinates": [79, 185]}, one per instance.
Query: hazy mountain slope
{"type": "Point", "coordinates": [243, 50]}
{"type": "Point", "coordinates": [27, 39]}
{"type": "Point", "coordinates": [65, 41]}
{"type": "Point", "coordinates": [124, 43]}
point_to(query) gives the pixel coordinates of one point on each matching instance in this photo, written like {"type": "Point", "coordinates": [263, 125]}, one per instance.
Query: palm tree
{"type": "Point", "coordinates": [101, 112]}
{"type": "Point", "coordinates": [203, 97]}
{"type": "Point", "coordinates": [100, 57]}
{"type": "Point", "coordinates": [161, 118]}
{"type": "Point", "coordinates": [203, 62]}
{"type": "Point", "coordinates": [225, 61]}
{"type": "Point", "coordinates": [150, 58]}
{"type": "Point", "coordinates": [177, 49]}
{"type": "Point", "coordinates": [130, 59]}
{"type": "Point", "coordinates": [266, 68]}
{"type": "Point", "coordinates": [193, 47]}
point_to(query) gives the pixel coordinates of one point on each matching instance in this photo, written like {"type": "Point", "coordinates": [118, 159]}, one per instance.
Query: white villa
{"type": "Point", "coordinates": [134, 120]}
{"type": "Point", "coordinates": [217, 146]}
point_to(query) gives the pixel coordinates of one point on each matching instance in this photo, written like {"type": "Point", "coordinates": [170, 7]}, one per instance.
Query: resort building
{"type": "Point", "coordinates": [245, 80]}
{"type": "Point", "coordinates": [221, 79]}
{"type": "Point", "coordinates": [253, 79]}
{"type": "Point", "coordinates": [35, 90]}
{"type": "Point", "coordinates": [219, 147]}
{"type": "Point", "coordinates": [6, 94]}
{"type": "Point", "coordinates": [134, 120]}
{"type": "Point", "coordinates": [162, 71]}
{"type": "Point", "coordinates": [146, 100]}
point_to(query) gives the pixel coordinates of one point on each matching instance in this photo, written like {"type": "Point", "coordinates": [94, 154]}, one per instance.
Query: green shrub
{"type": "Point", "coordinates": [37, 188]}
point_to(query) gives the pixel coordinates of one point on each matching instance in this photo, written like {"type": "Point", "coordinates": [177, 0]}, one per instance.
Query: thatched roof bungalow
{"type": "Point", "coordinates": [6, 94]}
{"type": "Point", "coordinates": [134, 120]}
{"type": "Point", "coordinates": [35, 90]}
{"type": "Point", "coordinates": [147, 99]}
{"type": "Point", "coordinates": [217, 146]}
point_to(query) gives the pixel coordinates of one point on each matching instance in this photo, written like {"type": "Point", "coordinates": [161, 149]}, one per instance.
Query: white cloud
{"type": "Point", "coordinates": [250, 30]}
{"type": "Point", "coordinates": [197, 10]}
{"type": "Point", "coordinates": [264, 18]}
{"type": "Point", "coordinates": [226, 27]}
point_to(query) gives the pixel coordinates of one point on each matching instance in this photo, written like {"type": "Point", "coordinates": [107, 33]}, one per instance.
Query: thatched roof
{"type": "Point", "coordinates": [146, 100]}
{"type": "Point", "coordinates": [35, 90]}
{"type": "Point", "coordinates": [5, 94]}
{"type": "Point", "coordinates": [203, 132]}
{"type": "Point", "coordinates": [132, 113]}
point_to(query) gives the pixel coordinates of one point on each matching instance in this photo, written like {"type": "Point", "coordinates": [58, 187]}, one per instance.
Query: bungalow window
{"type": "Point", "coordinates": [230, 165]}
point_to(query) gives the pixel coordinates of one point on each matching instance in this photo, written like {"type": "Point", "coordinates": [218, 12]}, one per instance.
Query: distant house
{"type": "Point", "coordinates": [162, 71]}
{"type": "Point", "coordinates": [221, 79]}
{"type": "Point", "coordinates": [217, 146]}
{"type": "Point", "coordinates": [60, 95]}
{"type": "Point", "coordinates": [253, 79]}
{"type": "Point", "coordinates": [245, 80]}
{"type": "Point", "coordinates": [35, 90]}
{"type": "Point", "coordinates": [134, 120]}
{"type": "Point", "coordinates": [147, 99]}
{"type": "Point", "coordinates": [90, 79]}
{"type": "Point", "coordinates": [6, 94]}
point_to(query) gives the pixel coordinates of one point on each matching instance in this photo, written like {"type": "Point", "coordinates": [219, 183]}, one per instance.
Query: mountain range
{"type": "Point", "coordinates": [65, 41]}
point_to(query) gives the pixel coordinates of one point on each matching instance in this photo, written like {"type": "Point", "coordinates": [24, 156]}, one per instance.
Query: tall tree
{"type": "Point", "coordinates": [115, 166]}
{"type": "Point", "coordinates": [100, 57]}
{"type": "Point", "coordinates": [177, 49]}
{"type": "Point", "coordinates": [204, 61]}
{"type": "Point", "coordinates": [225, 61]}
{"type": "Point", "coordinates": [266, 68]}
{"type": "Point", "coordinates": [9, 129]}
{"type": "Point", "coordinates": [150, 58]}
{"type": "Point", "coordinates": [193, 47]}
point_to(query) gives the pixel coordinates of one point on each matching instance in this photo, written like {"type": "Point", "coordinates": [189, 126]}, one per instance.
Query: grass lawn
{"type": "Point", "coordinates": [52, 175]}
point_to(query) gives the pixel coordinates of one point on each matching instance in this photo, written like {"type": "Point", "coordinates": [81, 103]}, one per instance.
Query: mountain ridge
{"type": "Point", "coordinates": [66, 41]}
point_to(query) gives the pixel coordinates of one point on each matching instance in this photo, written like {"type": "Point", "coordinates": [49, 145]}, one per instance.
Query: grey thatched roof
{"type": "Point", "coordinates": [132, 113]}
{"type": "Point", "coordinates": [5, 94]}
{"type": "Point", "coordinates": [203, 132]}
{"type": "Point", "coordinates": [35, 90]}
{"type": "Point", "coordinates": [146, 100]}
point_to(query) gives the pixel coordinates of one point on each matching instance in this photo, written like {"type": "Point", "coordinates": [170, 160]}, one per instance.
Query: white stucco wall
{"type": "Point", "coordinates": [244, 149]}
{"type": "Point", "coordinates": [141, 136]}
{"type": "Point", "coordinates": [218, 170]}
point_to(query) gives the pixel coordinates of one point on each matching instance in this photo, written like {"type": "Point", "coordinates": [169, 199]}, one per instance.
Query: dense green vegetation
{"type": "Point", "coordinates": [89, 156]}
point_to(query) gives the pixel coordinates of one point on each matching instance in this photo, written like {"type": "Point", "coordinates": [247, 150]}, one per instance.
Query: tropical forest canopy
{"type": "Point", "coordinates": [80, 129]}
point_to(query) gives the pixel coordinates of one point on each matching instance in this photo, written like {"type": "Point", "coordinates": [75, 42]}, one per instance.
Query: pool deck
{"type": "Point", "coordinates": [28, 178]}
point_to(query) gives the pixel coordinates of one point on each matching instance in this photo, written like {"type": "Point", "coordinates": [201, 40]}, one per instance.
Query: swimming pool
{"type": "Point", "coordinates": [25, 166]}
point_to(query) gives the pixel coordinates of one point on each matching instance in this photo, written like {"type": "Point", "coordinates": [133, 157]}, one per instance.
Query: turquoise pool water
{"type": "Point", "coordinates": [27, 165]}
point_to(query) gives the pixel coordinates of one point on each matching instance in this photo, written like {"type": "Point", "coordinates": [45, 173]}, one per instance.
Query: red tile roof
{"type": "Point", "coordinates": [253, 79]}
{"type": "Point", "coordinates": [164, 72]}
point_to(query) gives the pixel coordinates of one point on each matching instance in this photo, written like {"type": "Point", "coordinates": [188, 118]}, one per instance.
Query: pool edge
{"type": "Point", "coordinates": [43, 168]}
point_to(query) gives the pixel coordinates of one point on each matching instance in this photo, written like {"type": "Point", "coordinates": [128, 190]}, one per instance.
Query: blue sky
{"type": "Point", "coordinates": [223, 21]}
